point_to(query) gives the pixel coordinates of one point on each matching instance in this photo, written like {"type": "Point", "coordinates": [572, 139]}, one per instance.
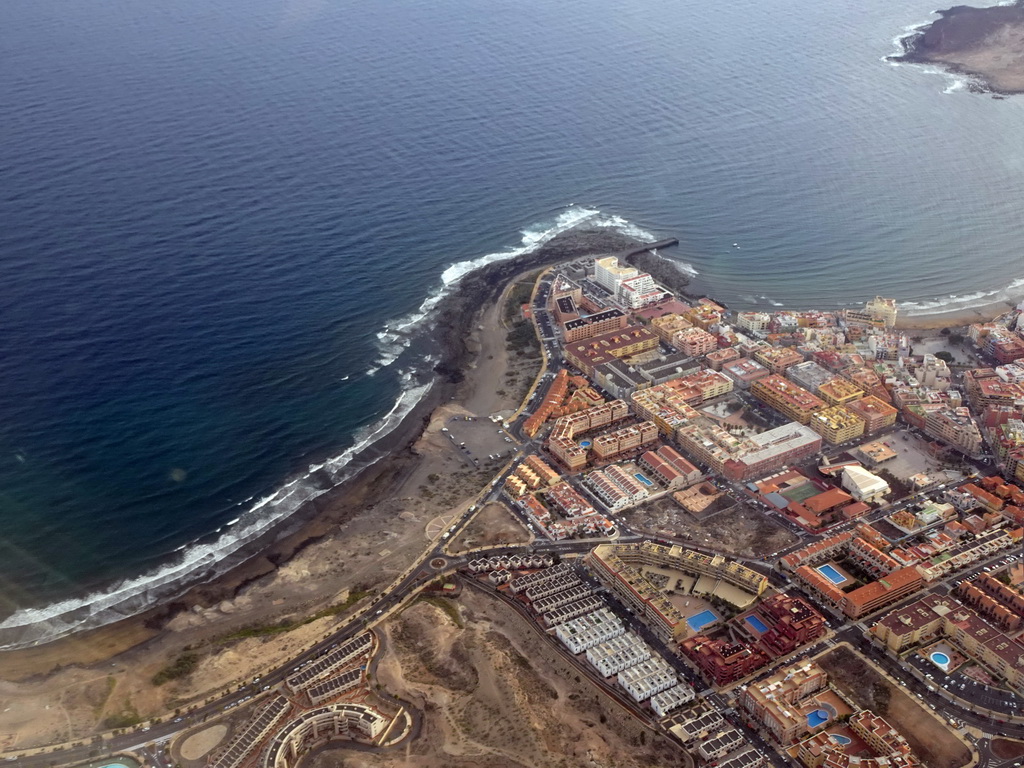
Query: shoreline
{"type": "Point", "coordinates": [385, 464]}
{"type": "Point", "coordinates": [969, 42]}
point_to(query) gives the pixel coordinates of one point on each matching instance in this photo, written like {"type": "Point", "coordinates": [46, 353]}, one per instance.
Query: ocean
{"type": "Point", "coordinates": [224, 225]}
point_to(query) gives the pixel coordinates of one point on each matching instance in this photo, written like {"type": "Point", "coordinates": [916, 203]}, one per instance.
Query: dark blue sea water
{"type": "Point", "coordinates": [221, 221]}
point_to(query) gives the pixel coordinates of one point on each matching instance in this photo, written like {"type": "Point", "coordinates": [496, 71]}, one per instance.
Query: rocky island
{"type": "Point", "coordinates": [986, 44]}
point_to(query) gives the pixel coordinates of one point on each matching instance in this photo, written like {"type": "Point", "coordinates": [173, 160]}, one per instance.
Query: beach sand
{"type": "Point", "coordinates": [954, 319]}
{"type": "Point", "coordinates": [359, 537]}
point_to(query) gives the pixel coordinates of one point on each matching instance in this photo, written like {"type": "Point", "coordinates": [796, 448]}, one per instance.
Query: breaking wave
{"type": "Point", "coordinates": [959, 302]}
{"type": "Point", "coordinates": [398, 334]}
{"type": "Point", "coordinates": [201, 561]}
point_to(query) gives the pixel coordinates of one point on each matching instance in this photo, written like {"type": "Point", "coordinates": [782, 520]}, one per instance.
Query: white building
{"type": "Point", "coordinates": [647, 678]}
{"type": "Point", "coordinates": [671, 698]}
{"type": "Point", "coordinates": [609, 274]}
{"type": "Point", "coordinates": [863, 485]}
{"type": "Point", "coordinates": [755, 322]}
{"type": "Point", "coordinates": [721, 744]}
{"type": "Point", "coordinates": [587, 631]}
{"type": "Point", "coordinates": [612, 656]}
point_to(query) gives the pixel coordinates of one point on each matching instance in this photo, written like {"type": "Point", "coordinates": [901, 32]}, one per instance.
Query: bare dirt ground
{"type": "Point", "coordinates": [1007, 749]}
{"type": "Point", "coordinates": [999, 61]}
{"type": "Point", "coordinates": [70, 689]}
{"type": "Point", "coordinates": [740, 530]}
{"type": "Point", "coordinates": [929, 737]}
{"type": "Point", "coordinates": [493, 694]}
{"type": "Point", "coordinates": [494, 525]}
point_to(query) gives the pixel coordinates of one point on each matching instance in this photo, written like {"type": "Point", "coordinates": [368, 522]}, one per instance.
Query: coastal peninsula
{"type": "Point", "coordinates": [986, 44]}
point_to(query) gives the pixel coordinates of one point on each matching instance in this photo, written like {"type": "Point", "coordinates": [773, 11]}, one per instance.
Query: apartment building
{"type": "Point", "coordinates": [956, 427]}
{"type": "Point", "coordinates": [624, 439]}
{"type": "Point", "coordinates": [809, 375]}
{"type": "Point", "coordinates": [866, 599]}
{"type": "Point", "coordinates": [694, 341]}
{"type": "Point", "coordinates": [720, 357]}
{"type": "Point", "coordinates": [744, 372]}
{"type": "Point", "coordinates": [635, 591]}
{"type": "Point", "coordinates": [787, 398]}
{"type": "Point", "coordinates": [775, 702]}
{"type": "Point", "coordinates": [997, 602]}
{"type": "Point", "coordinates": [789, 622]}
{"type": "Point", "coordinates": [669, 325]}
{"type": "Point", "coordinates": [723, 662]}
{"type": "Point", "coordinates": [839, 391]}
{"type": "Point", "coordinates": [626, 342]}
{"type": "Point", "coordinates": [606, 321]}
{"type": "Point", "coordinates": [777, 359]}
{"type": "Point", "coordinates": [836, 424]}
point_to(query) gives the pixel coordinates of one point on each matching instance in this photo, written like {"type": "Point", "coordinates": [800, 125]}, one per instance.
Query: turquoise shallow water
{"type": "Point", "coordinates": [224, 223]}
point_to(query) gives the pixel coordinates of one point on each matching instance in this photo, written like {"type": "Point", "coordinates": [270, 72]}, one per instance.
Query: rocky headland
{"type": "Point", "coordinates": [985, 44]}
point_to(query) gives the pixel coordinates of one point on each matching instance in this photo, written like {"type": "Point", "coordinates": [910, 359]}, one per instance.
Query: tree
{"type": "Point", "coordinates": [944, 356]}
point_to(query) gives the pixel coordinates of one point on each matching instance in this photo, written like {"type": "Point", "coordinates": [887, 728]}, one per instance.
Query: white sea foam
{"type": "Point", "coordinates": [955, 82]}
{"type": "Point", "coordinates": [201, 561]}
{"type": "Point", "coordinates": [397, 335]}
{"type": "Point", "coordinates": [958, 302]}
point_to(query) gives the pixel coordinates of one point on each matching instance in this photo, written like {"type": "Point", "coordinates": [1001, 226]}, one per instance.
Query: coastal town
{"type": "Point", "coordinates": [786, 538]}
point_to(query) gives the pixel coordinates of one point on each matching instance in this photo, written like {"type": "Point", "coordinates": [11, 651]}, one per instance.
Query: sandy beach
{"type": "Point", "coordinates": [355, 538]}
{"type": "Point", "coordinates": [955, 319]}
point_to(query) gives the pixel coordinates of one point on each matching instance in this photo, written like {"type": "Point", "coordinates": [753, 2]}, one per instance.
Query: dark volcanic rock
{"type": "Point", "coordinates": [984, 43]}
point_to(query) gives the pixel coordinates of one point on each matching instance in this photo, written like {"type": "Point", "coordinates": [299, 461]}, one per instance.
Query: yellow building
{"type": "Point", "coordinates": [839, 391]}
{"type": "Point", "coordinates": [669, 325]}
{"type": "Point", "coordinates": [777, 359]}
{"type": "Point", "coordinates": [836, 424]}
{"type": "Point", "coordinates": [787, 398]}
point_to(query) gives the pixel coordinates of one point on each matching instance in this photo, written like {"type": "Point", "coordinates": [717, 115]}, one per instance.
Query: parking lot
{"type": "Point", "coordinates": [479, 441]}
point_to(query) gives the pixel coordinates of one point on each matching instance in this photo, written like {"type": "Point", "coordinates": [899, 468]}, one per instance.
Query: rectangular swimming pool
{"type": "Point", "coordinates": [757, 624]}
{"type": "Point", "coordinates": [831, 573]}
{"type": "Point", "coordinates": [643, 479]}
{"type": "Point", "coordinates": [700, 620]}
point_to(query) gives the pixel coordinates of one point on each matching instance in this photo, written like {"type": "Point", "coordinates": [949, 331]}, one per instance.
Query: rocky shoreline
{"type": "Point", "coordinates": [985, 45]}
{"type": "Point", "coordinates": [385, 463]}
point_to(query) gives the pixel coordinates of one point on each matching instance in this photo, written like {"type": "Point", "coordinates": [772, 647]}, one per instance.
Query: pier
{"type": "Point", "coordinates": [650, 247]}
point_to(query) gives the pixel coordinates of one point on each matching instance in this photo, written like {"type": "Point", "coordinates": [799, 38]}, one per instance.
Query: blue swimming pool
{"type": "Point", "coordinates": [940, 659]}
{"type": "Point", "coordinates": [831, 573]}
{"type": "Point", "coordinates": [817, 717]}
{"type": "Point", "coordinates": [757, 624]}
{"type": "Point", "coordinates": [642, 479]}
{"type": "Point", "coordinates": [700, 620]}
{"type": "Point", "coordinates": [585, 443]}
{"type": "Point", "coordinates": [840, 740]}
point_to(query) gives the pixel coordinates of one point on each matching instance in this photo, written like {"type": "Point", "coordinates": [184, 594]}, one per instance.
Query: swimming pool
{"type": "Point", "coordinates": [831, 573]}
{"type": "Point", "coordinates": [940, 659]}
{"type": "Point", "coordinates": [585, 443]}
{"type": "Point", "coordinates": [700, 620]}
{"type": "Point", "coordinates": [817, 717]}
{"type": "Point", "coordinates": [757, 624]}
{"type": "Point", "coordinates": [840, 740]}
{"type": "Point", "coordinates": [639, 476]}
